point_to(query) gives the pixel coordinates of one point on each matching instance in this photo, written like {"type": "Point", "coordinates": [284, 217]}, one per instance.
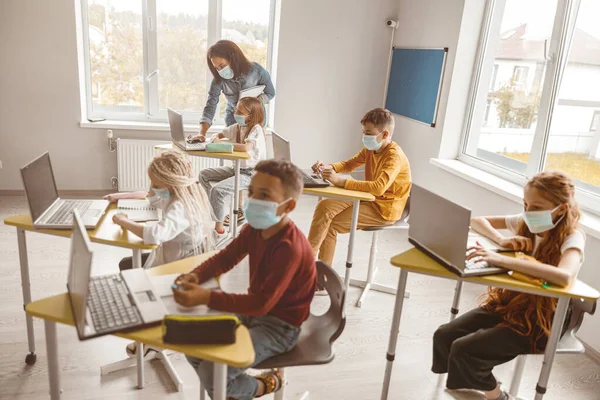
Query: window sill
{"type": "Point", "coordinates": [144, 126]}
{"type": "Point", "coordinates": [589, 222]}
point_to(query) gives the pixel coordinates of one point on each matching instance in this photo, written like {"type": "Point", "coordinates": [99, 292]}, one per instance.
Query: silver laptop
{"type": "Point", "coordinates": [46, 208]}
{"type": "Point", "coordinates": [440, 229]}
{"type": "Point", "coordinates": [281, 151]}
{"type": "Point", "coordinates": [110, 303]}
{"type": "Point", "coordinates": [178, 135]}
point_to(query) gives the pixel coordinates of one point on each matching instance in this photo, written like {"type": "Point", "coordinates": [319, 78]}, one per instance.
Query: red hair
{"type": "Point", "coordinates": [528, 314]}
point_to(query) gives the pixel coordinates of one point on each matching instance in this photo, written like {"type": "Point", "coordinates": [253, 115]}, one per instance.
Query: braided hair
{"type": "Point", "coordinates": [174, 169]}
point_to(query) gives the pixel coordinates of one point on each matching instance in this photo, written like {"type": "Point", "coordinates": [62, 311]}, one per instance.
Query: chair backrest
{"type": "Point", "coordinates": [281, 147]}
{"type": "Point", "coordinates": [331, 323]}
{"type": "Point", "coordinates": [579, 308]}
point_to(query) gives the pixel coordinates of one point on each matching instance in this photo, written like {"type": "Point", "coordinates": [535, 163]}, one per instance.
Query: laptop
{"type": "Point", "coordinates": [111, 303]}
{"type": "Point", "coordinates": [281, 151]}
{"type": "Point", "coordinates": [178, 135]}
{"type": "Point", "coordinates": [440, 229]}
{"type": "Point", "coordinates": [47, 209]}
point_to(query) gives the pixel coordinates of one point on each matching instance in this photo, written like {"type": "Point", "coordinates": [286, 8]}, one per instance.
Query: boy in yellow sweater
{"type": "Point", "coordinates": [387, 177]}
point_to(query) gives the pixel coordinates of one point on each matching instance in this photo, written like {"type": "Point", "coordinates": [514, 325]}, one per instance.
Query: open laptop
{"type": "Point", "coordinates": [178, 135]}
{"type": "Point", "coordinates": [47, 209]}
{"type": "Point", "coordinates": [281, 151]}
{"type": "Point", "coordinates": [440, 229]}
{"type": "Point", "coordinates": [110, 303]}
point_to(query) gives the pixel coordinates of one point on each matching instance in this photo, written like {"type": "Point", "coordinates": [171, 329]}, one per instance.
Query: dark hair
{"type": "Point", "coordinates": [288, 173]}
{"type": "Point", "coordinates": [231, 52]}
{"type": "Point", "coordinates": [255, 107]}
{"type": "Point", "coordinates": [381, 118]}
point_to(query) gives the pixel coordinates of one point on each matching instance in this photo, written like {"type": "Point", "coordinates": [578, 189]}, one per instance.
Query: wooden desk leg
{"type": "Point", "coordinates": [394, 332]}
{"type": "Point", "coordinates": [220, 381]}
{"type": "Point", "coordinates": [26, 289]}
{"type": "Point", "coordinates": [557, 325]}
{"type": "Point", "coordinates": [353, 225]}
{"type": "Point", "coordinates": [456, 301]}
{"type": "Point", "coordinates": [52, 354]}
{"type": "Point", "coordinates": [236, 199]}
{"type": "Point", "coordinates": [136, 260]}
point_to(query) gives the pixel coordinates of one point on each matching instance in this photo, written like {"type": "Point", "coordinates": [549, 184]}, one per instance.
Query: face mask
{"type": "Point", "coordinates": [163, 193]}
{"type": "Point", "coordinates": [371, 142]}
{"type": "Point", "coordinates": [240, 119]}
{"type": "Point", "coordinates": [262, 214]}
{"type": "Point", "coordinates": [226, 72]}
{"type": "Point", "coordinates": [540, 221]}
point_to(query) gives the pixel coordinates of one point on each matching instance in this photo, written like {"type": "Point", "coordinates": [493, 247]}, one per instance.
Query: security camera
{"type": "Point", "coordinates": [391, 23]}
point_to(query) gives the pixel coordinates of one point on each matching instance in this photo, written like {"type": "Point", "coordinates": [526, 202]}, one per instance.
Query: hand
{"type": "Point", "coordinates": [330, 175]}
{"type": "Point", "coordinates": [200, 138]}
{"type": "Point", "coordinates": [318, 166]}
{"type": "Point", "coordinates": [518, 243]}
{"type": "Point", "coordinates": [192, 295]}
{"type": "Point", "coordinates": [189, 278]}
{"type": "Point", "coordinates": [112, 198]}
{"type": "Point", "coordinates": [120, 219]}
{"type": "Point", "coordinates": [479, 253]}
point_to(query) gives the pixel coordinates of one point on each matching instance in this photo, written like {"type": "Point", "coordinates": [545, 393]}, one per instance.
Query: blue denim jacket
{"type": "Point", "coordinates": [232, 87]}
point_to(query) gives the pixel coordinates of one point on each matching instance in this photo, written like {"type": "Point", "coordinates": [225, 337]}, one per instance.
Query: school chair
{"type": "Point", "coordinates": [315, 345]}
{"type": "Point", "coordinates": [401, 224]}
{"type": "Point", "coordinates": [568, 344]}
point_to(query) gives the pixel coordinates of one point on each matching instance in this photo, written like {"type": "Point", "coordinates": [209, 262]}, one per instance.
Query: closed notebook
{"type": "Point", "coordinates": [138, 210]}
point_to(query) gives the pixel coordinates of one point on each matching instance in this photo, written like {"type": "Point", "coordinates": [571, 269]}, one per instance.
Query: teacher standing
{"type": "Point", "coordinates": [232, 72]}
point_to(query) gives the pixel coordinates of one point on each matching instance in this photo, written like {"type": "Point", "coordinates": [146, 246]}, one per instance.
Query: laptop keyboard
{"type": "Point", "coordinates": [64, 215]}
{"type": "Point", "coordinates": [109, 304]}
{"type": "Point", "coordinates": [195, 146]}
{"type": "Point", "coordinates": [310, 179]}
{"type": "Point", "coordinates": [473, 265]}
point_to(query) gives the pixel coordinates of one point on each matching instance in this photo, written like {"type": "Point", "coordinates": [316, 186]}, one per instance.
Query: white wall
{"type": "Point", "coordinates": [437, 23]}
{"type": "Point", "coordinates": [321, 91]}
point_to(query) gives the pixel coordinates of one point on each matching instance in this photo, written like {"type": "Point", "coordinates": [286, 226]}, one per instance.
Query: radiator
{"type": "Point", "coordinates": [133, 158]}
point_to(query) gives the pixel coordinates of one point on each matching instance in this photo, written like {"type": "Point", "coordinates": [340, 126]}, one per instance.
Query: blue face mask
{"type": "Point", "coordinates": [226, 72]}
{"type": "Point", "coordinates": [540, 221]}
{"type": "Point", "coordinates": [163, 193]}
{"type": "Point", "coordinates": [371, 142]}
{"type": "Point", "coordinates": [240, 119]}
{"type": "Point", "coordinates": [262, 214]}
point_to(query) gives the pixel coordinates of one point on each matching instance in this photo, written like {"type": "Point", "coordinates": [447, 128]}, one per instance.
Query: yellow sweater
{"type": "Point", "coordinates": [387, 177]}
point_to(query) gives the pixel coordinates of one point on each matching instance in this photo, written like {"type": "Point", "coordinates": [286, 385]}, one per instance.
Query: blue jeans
{"type": "Point", "coordinates": [270, 336]}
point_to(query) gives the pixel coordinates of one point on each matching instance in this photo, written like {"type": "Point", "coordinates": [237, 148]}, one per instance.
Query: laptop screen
{"type": "Point", "coordinates": [281, 148]}
{"type": "Point", "coordinates": [39, 184]}
{"type": "Point", "coordinates": [176, 126]}
{"type": "Point", "coordinates": [80, 266]}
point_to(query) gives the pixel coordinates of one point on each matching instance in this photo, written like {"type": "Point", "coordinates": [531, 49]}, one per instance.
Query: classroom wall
{"type": "Point", "coordinates": [439, 23]}
{"type": "Point", "coordinates": [319, 93]}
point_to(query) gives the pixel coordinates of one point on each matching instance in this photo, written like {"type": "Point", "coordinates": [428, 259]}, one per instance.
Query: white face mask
{"type": "Point", "coordinates": [540, 221]}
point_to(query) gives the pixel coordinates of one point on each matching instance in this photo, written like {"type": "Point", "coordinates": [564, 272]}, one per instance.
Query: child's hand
{"type": "Point", "coordinates": [189, 278]}
{"type": "Point", "coordinates": [518, 243]}
{"type": "Point", "coordinates": [318, 166]}
{"type": "Point", "coordinates": [192, 295]}
{"type": "Point", "coordinates": [479, 253]}
{"type": "Point", "coordinates": [120, 219]}
{"type": "Point", "coordinates": [112, 198]}
{"type": "Point", "coordinates": [200, 138]}
{"type": "Point", "coordinates": [330, 175]}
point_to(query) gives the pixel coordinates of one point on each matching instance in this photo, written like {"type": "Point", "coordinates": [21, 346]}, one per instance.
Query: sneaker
{"type": "Point", "coordinates": [131, 350]}
{"type": "Point", "coordinates": [241, 218]}
{"type": "Point", "coordinates": [273, 381]}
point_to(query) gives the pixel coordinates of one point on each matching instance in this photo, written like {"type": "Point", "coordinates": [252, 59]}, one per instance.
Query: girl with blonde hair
{"type": "Point", "coordinates": [184, 229]}
{"type": "Point", "coordinates": [509, 323]}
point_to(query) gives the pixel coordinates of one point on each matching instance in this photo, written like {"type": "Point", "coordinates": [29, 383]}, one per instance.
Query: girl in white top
{"type": "Point", "coordinates": [184, 229]}
{"type": "Point", "coordinates": [247, 135]}
{"type": "Point", "coordinates": [509, 323]}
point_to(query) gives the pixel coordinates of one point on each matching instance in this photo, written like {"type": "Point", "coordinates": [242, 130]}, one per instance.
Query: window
{"type": "Point", "coordinates": [144, 56]}
{"type": "Point", "coordinates": [539, 65]}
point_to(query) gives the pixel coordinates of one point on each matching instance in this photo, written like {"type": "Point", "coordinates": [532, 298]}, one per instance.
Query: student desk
{"type": "Point", "coordinates": [57, 309]}
{"type": "Point", "coordinates": [106, 233]}
{"type": "Point", "coordinates": [418, 262]}
{"type": "Point", "coordinates": [334, 192]}
{"type": "Point", "coordinates": [236, 157]}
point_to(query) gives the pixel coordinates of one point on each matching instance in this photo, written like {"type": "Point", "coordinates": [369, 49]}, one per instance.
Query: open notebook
{"type": "Point", "coordinates": [163, 283]}
{"type": "Point", "coordinates": [138, 210]}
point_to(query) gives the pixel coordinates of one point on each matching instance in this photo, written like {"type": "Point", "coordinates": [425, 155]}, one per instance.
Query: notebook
{"type": "Point", "coordinates": [163, 284]}
{"type": "Point", "coordinates": [253, 91]}
{"type": "Point", "coordinates": [138, 210]}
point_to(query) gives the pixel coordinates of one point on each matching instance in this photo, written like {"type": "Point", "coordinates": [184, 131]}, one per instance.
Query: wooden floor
{"type": "Point", "coordinates": [356, 372]}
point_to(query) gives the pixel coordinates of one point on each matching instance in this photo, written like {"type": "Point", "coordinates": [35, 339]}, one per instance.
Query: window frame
{"type": "Point", "coordinates": [150, 74]}
{"type": "Point", "coordinates": [565, 19]}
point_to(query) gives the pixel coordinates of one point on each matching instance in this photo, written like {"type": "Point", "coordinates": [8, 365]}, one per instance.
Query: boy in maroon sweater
{"type": "Point", "coordinates": [283, 278]}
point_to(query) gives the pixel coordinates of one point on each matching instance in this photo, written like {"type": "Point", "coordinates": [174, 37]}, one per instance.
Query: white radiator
{"type": "Point", "coordinates": [133, 158]}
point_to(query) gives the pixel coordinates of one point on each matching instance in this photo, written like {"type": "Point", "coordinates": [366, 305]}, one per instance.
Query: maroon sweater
{"type": "Point", "coordinates": [283, 275]}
